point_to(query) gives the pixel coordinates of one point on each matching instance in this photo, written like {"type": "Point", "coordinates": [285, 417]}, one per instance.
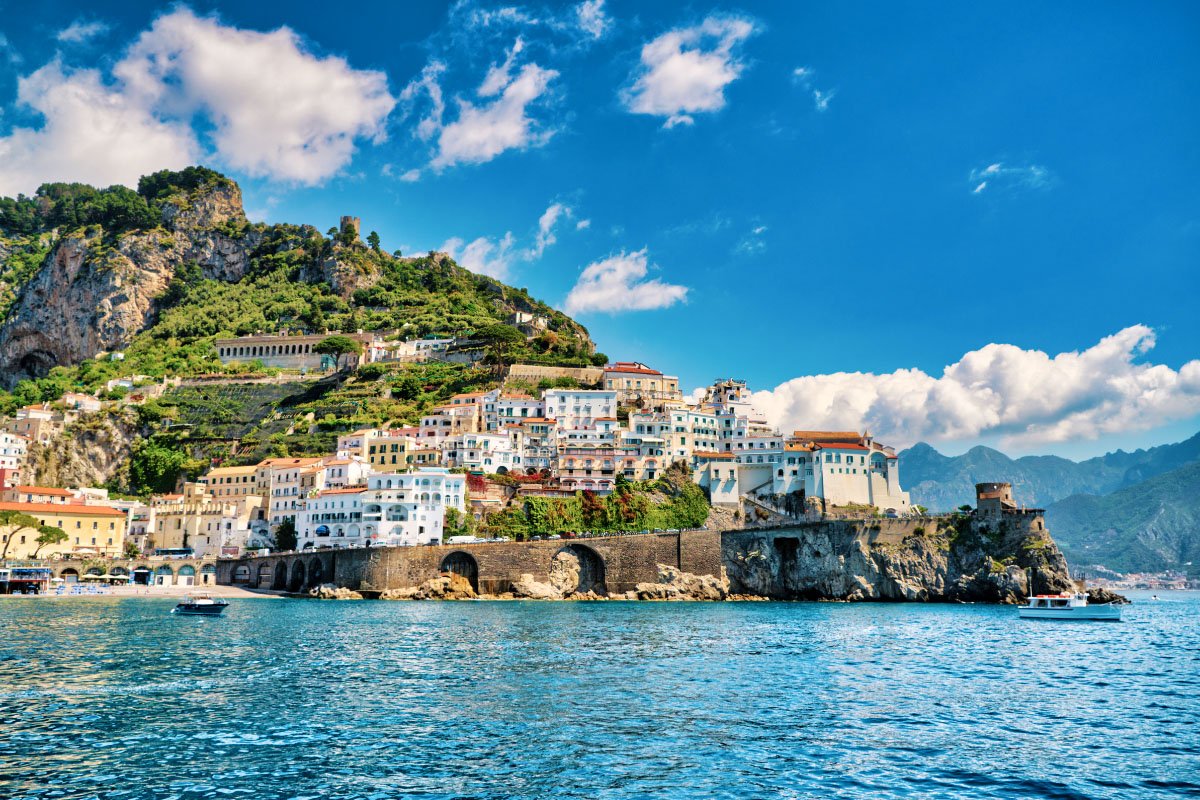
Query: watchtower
{"type": "Point", "coordinates": [352, 224]}
{"type": "Point", "coordinates": [994, 498]}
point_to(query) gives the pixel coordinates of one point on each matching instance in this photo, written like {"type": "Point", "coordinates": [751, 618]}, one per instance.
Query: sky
{"type": "Point", "coordinates": [958, 223]}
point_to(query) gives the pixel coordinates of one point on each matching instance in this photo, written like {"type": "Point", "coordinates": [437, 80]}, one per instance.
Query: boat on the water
{"type": "Point", "coordinates": [1068, 606]}
{"type": "Point", "coordinates": [201, 604]}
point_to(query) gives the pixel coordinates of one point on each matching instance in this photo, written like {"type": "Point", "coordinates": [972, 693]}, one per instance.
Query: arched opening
{"type": "Point", "coordinates": [501, 470]}
{"type": "Point", "coordinates": [208, 574]}
{"type": "Point", "coordinates": [279, 576]}
{"type": "Point", "coordinates": [463, 564]}
{"type": "Point", "coordinates": [262, 576]}
{"type": "Point", "coordinates": [316, 572]}
{"type": "Point", "coordinates": [70, 575]}
{"type": "Point", "coordinates": [297, 579]}
{"type": "Point", "coordinates": [118, 571]}
{"type": "Point", "coordinates": [99, 571]}
{"type": "Point", "coordinates": [577, 569]}
{"type": "Point", "coordinates": [164, 576]}
{"type": "Point", "coordinates": [186, 575]}
{"type": "Point", "coordinates": [241, 573]}
{"type": "Point", "coordinates": [141, 576]}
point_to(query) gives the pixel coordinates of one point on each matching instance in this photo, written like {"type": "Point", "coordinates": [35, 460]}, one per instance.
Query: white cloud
{"type": "Point", "coordinates": [91, 133]}
{"type": "Point", "coordinates": [411, 176]}
{"type": "Point", "coordinates": [618, 283]}
{"type": "Point", "coordinates": [1002, 176]}
{"type": "Point", "coordinates": [277, 110]}
{"type": "Point", "coordinates": [1022, 396]}
{"type": "Point", "coordinates": [80, 31]}
{"type": "Point", "coordinates": [264, 104]}
{"type": "Point", "coordinates": [752, 242]}
{"type": "Point", "coordinates": [802, 76]}
{"type": "Point", "coordinates": [545, 232]}
{"type": "Point", "coordinates": [685, 71]}
{"type": "Point", "coordinates": [583, 224]}
{"type": "Point", "coordinates": [592, 19]}
{"type": "Point", "coordinates": [485, 256]}
{"type": "Point", "coordinates": [482, 131]}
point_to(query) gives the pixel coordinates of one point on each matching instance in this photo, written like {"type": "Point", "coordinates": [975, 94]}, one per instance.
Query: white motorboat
{"type": "Point", "coordinates": [1068, 606]}
{"type": "Point", "coordinates": [201, 604]}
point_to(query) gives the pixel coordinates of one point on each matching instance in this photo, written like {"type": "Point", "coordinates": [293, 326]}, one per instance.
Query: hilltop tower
{"type": "Point", "coordinates": [352, 224]}
{"type": "Point", "coordinates": [994, 498]}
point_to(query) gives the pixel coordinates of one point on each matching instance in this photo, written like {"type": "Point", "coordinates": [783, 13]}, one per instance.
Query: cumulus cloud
{"type": "Point", "coordinates": [91, 133]}
{"type": "Point", "coordinates": [190, 88]}
{"type": "Point", "coordinates": [685, 71]}
{"type": "Point", "coordinates": [1006, 176]}
{"type": "Point", "coordinates": [277, 110]}
{"type": "Point", "coordinates": [545, 232]}
{"type": "Point", "coordinates": [1024, 397]}
{"type": "Point", "coordinates": [803, 77]}
{"type": "Point", "coordinates": [81, 30]}
{"type": "Point", "coordinates": [483, 130]}
{"type": "Point", "coordinates": [618, 283]}
{"type": "Point", "coordinates": [583, 224]}
{"type": "Point", "coordinates": [485, 256]}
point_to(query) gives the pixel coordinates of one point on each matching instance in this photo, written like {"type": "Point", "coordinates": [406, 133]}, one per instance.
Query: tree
{"type": "Point", "coordinates": [337, 346]}
{"type": "Point", "coordinates": [18, 522]}
{"type": "Point", "coordinates": [373, 240]}
{"type": "Point", "coordinates": [131, 550]}
{"type": "Point", "coordinates": [48, 534]}
{"type": "Point", "coordinates": [285, 535]}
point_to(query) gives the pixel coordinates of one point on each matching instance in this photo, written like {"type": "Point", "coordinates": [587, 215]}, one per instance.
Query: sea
{"type": "Point", "coordinates": [307, 700]}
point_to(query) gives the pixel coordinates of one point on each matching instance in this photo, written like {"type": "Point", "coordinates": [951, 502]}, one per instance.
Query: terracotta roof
{"type": "Point", "coordinates": [839, 446]}
{"type": "Point", "coordinates": [710, 454]}
{"type": "Point", "coordinates": [46, 490]}
{"type": "Point", "coordinates": [77, 509]}
{"type": "Point", "coordinates": [287, 462]}
{"type": "Point", "coordinates": [631, 368]}
{"type": "Point", "coordinates": [232, 470]}
{"type": "Point", "coordinates": [828, 436]}
{"type": "Point", "coordinates": [346, 490]}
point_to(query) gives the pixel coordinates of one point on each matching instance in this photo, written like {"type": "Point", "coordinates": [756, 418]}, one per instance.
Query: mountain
{"type": "Point", "coordinates": [162, 271]}
{"type": "Point", "coordinates": [1149, 527]}
{"type": "Point", "coordinates": [941, 482]}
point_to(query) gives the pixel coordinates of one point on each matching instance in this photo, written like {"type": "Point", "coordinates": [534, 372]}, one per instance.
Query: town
{"type": "Point", "coordinates": [481, 451]}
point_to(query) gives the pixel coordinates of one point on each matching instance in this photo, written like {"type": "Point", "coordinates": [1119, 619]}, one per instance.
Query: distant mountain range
{"type": "Point", "coordinates": [941, 483]}
{"type": "Point", "coordinates": [1131, 512]}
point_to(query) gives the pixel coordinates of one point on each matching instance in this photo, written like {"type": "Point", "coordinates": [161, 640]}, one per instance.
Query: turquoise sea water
{"type": "Point", "coordinates": [304, 699]}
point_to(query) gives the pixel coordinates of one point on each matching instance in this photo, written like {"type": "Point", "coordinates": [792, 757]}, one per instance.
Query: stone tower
{"type": "Point", "coordinates": [352, 224]}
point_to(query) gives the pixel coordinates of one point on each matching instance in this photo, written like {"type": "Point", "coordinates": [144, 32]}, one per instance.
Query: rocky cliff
{"type": "Point", "coordinates": [96, 290]}
{"type": "Point", "coordinates": [90, 452]}
{"type": "Point", "coordinates": [964, 558]}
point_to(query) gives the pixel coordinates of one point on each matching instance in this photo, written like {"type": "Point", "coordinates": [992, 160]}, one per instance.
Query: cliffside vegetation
{"type": "Point", "coordinates": [290, 276]}
{"type": "Point", "coordinates": [671, 501]}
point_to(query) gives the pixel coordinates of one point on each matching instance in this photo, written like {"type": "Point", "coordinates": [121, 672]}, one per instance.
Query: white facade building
{"type": "Point", "coordinates": [333, 518]}
{"type": "Point", "coordinates": [409, 508]}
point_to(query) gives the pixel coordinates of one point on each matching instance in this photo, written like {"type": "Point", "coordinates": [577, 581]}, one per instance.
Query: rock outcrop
{"type": "Point", "coordinates": [674, 584]}
{"type": "Point", "coordinates": [954, 559]}
{"type": "Point", "coordinates": [329, 591]}
{"type": "Point", "coordinates": [90, 452]}
{"type": "Point", "coordinates": [93, 293]}
{"type": "Point", "coordinates": [448, 586]}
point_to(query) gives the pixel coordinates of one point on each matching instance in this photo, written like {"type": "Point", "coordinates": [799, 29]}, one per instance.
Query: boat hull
{"type": "Point", "coordinates": [1090, 613]}
{"type": "Point", "coordinates": [214, 610]}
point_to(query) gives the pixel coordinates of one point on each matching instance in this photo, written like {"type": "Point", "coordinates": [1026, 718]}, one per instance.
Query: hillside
{"type": "Point", "coordinates": [941, 482]}
{"type": "Point", "coordinates": [1149, 527]}
{"type": "Point", "coordinates": [160, 272]}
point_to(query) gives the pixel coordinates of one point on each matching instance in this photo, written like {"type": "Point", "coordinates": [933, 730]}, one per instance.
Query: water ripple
{"type": "Point", "coordinates": [108, 699]}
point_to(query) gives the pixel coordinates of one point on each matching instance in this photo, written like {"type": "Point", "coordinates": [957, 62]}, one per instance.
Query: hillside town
{"type": "Point", "coordinates": [400, 486]}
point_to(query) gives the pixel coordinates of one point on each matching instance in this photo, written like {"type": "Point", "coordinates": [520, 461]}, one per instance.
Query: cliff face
{"type": "Point", "coordinates": [88, 453]}
{"type": "Point", "coordinates": [964, 559]}
{"type": "Point", "coordinates": [93, 294]}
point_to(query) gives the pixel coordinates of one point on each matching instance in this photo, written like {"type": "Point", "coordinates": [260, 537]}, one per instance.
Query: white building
{"type": "Point", "coordinates": [333, 518]}
{"type": "Point", "coordinates": [13, 448]}
{"type": "Point", "coordinates": [580, 409]}
{"type": "Point", "coordinates": [482, 452]}
{"type": "Point", "coordinates": [409, 508]}
{"type": "Point", "coordinates": [842, 468]}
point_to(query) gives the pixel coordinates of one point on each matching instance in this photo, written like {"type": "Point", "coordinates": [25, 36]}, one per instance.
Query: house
{"type": "Point", "coordinates": [410, 508]}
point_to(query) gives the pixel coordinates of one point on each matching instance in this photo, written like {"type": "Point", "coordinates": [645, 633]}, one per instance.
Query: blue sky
{"type": "Point", "coordinates": [833, 202]}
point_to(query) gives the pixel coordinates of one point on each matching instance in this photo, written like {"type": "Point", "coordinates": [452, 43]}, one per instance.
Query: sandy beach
{"type": "Point", "coordinates": [147, 592]}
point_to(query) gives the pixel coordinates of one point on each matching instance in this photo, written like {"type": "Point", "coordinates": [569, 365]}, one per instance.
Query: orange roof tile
{"type": "Point", "coordinates": [46, 490]}
{"type": "Point", "coordinates": [62, 508]}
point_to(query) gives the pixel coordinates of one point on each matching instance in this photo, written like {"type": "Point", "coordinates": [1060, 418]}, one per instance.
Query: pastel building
{"type": "Point", "coordinates": [91, 530]}
{"type": "Point", "coordinates": [639, 386]}
{"type": "Point", "coordinates": [332, 518]}
{"type": "Point", "coordinates": [409, 508]}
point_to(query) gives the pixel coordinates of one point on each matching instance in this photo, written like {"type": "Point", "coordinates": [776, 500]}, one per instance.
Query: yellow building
{"type": "Point", "coordinates": [91, 530]}
{"type": "Point", "coordinates": [226, 483]}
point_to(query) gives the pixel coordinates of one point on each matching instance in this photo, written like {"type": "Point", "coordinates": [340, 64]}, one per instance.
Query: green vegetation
{"type": "Point", "coordinates": [48, 534]}
{"type": "Point", "coordinates": [285, 535]}
{"type": "Point", "coordinates": [672, 501]}
{"type": "Point", "coordinates": [337, 346]}
{"type": "Point", "coordinates": [13, 522]}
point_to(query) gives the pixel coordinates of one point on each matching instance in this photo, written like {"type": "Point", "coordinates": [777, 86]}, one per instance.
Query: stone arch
{"type": "Point", "coordinates": [262, 575]}
{"type": "Point", "coordinates": [70, 574]}
{"type": "Point", "coordinates": [208, 574]}
{"type": "Point", "coordinates": [118, 571]}
{"type": "Point", "coordinates": [578, 569]}
{"type": "Point", "coordinates": [316, 572]}
{"type": "Point", "coordinates": [100, 571]}
{"type": "Point", "coordinates": [142, 575]}
{"type": "Point", "coordinates": [241, 573]}
{"type": "Point", "coordinates": [297, 577]}
{"type": "Point", "coordinates": [279, 575]}
{"type": "Point", "coordinates": [464, 564]}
